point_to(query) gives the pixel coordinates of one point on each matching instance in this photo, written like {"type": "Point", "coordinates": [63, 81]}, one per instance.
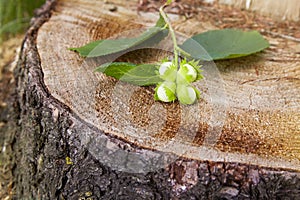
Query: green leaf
{"type": "Point", "coordinates": [115, 69]}
{"type": "Point", "coordinates": [224, 44]}
{"type": "Point", "coordinates": [105, 47]}
{"type": "Point", "coordinates": [86, 49]}
{"type": "Point", "coordinates": [160, 22]}
{"type": "Point", "coordinates": [169, 2]}
{"type": "Point", "coordinates": [141, 75]}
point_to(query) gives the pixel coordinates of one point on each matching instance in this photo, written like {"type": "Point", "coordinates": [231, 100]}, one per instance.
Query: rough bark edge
{"type": "Point", "coordinates": [47, 136]}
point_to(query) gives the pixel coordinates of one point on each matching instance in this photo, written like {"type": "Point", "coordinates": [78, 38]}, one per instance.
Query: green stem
{"type": "Point", "coordinates": [172, 32]}
{"type": "Point", "coordinates": [183, 52]}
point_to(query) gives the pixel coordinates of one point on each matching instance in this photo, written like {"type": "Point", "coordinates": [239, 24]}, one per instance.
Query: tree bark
{"type": "Point", "coordinates": [72, 143]}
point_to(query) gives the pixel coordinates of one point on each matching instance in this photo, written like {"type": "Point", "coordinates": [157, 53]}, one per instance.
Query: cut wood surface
{"type": "Point", "coordinates": [282, 10]}
{"type": "Point", "coordinates": [249, 110]}
{"type": "Point", "coordinates": [81, 134]}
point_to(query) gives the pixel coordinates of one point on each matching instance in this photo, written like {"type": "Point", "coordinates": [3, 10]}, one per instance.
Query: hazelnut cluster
{"type": "Point", "coordinates": [177, 82]}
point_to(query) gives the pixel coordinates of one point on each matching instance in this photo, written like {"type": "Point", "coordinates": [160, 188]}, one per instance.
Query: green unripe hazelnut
{"type": "Point", "coordinates": [186, 94]}
{"type": "Point", "coordinates": [167, 71]}
{"type": "Point", "coordinates": [165, 92]}
{"type": "Point", "coordinates": [186, 74]}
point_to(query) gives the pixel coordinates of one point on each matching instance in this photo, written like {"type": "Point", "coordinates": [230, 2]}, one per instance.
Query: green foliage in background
{"type": "Point", "coordinates": [15, 15]}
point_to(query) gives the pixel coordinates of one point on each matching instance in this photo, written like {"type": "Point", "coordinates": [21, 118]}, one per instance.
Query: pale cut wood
{"type": "Point", "coordinates": [250, 107]}
{"type": "Point", "coordinates": [282, 10]}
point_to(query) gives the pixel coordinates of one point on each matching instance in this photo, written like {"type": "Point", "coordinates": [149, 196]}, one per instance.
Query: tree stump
{"type": "Point", "coordinates": [84, 135]}
{"type": "Point", "coordinates": [282, 10]}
